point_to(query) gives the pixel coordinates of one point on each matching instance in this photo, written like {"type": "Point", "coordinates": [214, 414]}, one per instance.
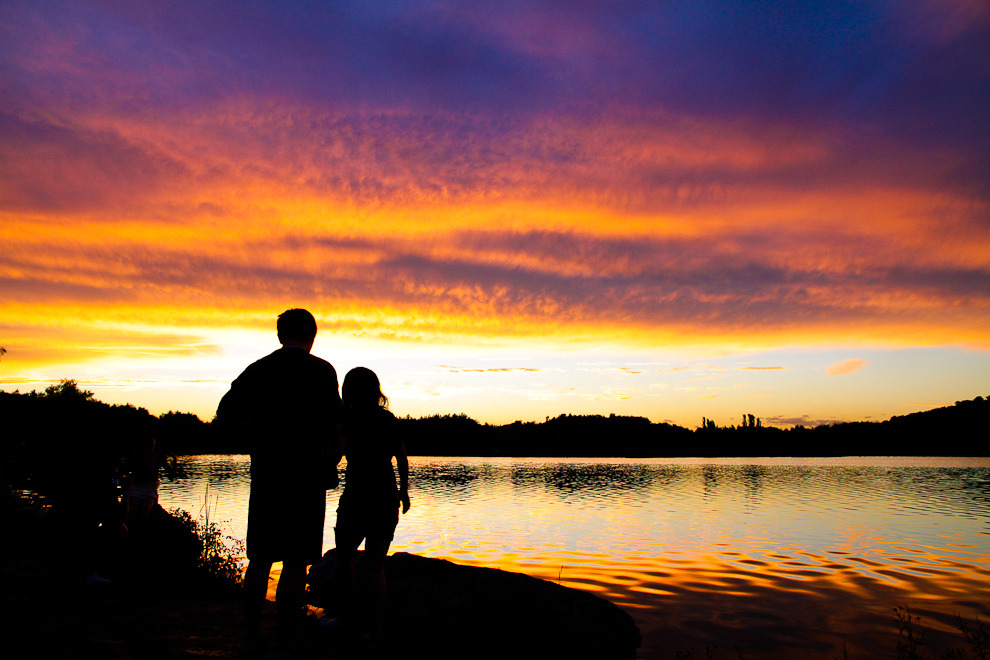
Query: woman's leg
{"type": "Point", "coordinates": [344, 574]}
{"type": "Point", "coordinates": [375, 551]}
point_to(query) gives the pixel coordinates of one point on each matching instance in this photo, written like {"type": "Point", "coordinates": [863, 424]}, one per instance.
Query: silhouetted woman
{"type": "Point", "coordinates": [369, 506]}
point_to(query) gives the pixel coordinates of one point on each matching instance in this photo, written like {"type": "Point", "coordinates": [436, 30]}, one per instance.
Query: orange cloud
{"type": "Point", "coordinates": [845, 367]}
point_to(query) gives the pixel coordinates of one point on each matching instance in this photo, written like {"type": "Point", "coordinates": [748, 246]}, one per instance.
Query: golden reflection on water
{"type": "Point", "coordinates": [777, 559]}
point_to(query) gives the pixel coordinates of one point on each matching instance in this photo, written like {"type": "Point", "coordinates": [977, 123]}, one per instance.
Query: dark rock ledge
{"type": "Point", "coordinates": [440, 609]}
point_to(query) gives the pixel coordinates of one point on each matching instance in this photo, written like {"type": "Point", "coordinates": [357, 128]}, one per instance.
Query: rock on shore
{"type": "Point", "coordinates": [447, 610]}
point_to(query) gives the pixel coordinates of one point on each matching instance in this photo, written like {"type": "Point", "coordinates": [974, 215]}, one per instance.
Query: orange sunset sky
{"type": "Point", "coordinates": [506, 209]}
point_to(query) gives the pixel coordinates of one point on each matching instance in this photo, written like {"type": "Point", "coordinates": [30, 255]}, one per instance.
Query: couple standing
{"type": "Point", "coordinates": [287, 407]}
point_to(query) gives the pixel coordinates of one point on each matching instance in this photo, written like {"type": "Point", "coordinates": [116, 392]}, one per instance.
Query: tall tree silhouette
{"type": "Point", "coordinates": [68, 389]}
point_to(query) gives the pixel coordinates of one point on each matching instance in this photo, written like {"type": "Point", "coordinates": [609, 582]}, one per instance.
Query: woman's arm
{"type": "Point", "coordinates": [337, 450]}
{"type": "Point", "coordinates": [402, 462]}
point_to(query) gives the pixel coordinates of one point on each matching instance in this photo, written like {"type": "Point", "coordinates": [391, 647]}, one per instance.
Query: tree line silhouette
{"type": "Point", "coordinates": [66, 418]}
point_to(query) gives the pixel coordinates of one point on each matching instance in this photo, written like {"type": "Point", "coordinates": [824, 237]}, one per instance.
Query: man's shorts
{"type": "Point", "coordinates": [286, 524]}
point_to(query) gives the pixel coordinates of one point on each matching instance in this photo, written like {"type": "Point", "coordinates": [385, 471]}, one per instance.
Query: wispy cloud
{"type": "Point", "coordinates": [489, 370]}
{"type": "Point", "coordinates": [691, 287]}
{"type": "Point", "coordinates": [845, 367]}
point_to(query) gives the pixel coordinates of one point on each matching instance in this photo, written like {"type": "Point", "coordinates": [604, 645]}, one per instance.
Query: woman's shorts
{"type": "Point", "coordinates": [371, 522]}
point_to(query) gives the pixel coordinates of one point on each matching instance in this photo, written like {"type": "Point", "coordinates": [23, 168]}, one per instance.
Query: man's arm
{"type": "Point", "coordinates": [232, 421]}
{"type": "Point", "coordinates": [336, 432]}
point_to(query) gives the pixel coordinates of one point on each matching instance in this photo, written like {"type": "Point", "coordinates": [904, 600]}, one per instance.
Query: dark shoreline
{"type": "Point", "coordinates": [226, 451]}
{"type": "Point", "coordinates": [437, 609]}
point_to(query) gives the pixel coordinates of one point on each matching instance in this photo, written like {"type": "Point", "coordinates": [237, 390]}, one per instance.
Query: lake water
{"type": "Point", "coordinates": [773, 558]}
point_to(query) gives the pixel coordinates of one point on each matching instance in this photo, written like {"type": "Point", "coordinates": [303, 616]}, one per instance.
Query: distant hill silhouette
{"type": "Point", "coordinates": [948, 431]}
{"type": "Point", "coordinates": [565, 435]}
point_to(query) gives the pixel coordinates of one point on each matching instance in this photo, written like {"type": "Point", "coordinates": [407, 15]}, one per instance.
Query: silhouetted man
{"type": "Point", "coordinates": [286, 408]}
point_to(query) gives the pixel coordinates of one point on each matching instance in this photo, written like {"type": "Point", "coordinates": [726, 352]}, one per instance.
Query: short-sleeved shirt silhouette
{"type": "Point", "coordinates": [369, 505]}
{"type": "Point", "coordinates": [286, 408]}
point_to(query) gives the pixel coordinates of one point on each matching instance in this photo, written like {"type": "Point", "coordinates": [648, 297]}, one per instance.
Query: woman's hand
{"type": "Point", "coordinates": [404, 498]}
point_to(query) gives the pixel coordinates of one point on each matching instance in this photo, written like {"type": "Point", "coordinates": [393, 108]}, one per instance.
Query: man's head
{"type": "Point", "coordinates": [296, 327]}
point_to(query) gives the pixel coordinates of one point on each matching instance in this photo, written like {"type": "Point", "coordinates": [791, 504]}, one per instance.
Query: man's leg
{"type": "Point", "coordinates": [289, 599]}
{"type": "Point", "coordinates": [255, 590]}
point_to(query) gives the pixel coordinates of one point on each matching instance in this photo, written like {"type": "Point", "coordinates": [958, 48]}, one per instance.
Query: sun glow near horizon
{"type": "Point", "coordinates": [500, 380]}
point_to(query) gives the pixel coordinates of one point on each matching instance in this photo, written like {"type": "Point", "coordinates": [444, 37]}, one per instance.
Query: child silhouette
{"type": "Point", "coordinates": [369, 506]}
